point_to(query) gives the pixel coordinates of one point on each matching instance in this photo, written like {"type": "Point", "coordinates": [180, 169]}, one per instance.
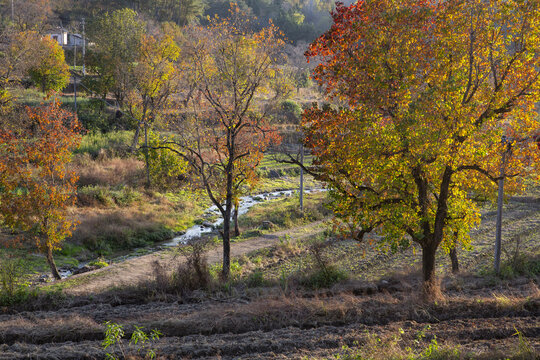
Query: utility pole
{"type": "Point", "coordinates": [83, 49]}
{"type": "Point", "coordinates": [75, 75]}
{"type": "Point", "coordinates": [505, 141]}
{"type": "Point", "coordinates": [12, 12]}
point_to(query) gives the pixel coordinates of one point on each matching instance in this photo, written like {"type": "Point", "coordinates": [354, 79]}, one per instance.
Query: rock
{"type": "Point", "coordinates": [267, 225]}
{"type": "Point", "coordinates": [84, 269]}
{"type": "Point", "coordinates": [273, 174]}
{"type": "Point", "coordinates": [207, 224]}
{"type": "Point", "coordinates": [45, 278]}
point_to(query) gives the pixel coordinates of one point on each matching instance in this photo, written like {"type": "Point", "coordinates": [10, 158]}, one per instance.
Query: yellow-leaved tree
{"type": "Point", "coordinates": [427, 90]}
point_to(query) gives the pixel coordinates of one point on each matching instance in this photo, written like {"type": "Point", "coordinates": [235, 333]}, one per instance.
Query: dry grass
{"type": "Point", "coordinates": [108, 172]}
{"type": "Point", "coordinates": [57, 329]}
{"type": "Point", "coordinates": [111, 228]}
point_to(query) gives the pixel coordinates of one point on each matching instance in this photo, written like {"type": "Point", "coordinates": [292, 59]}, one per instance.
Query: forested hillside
{"type": "Point", "coordinates": [300, 20]}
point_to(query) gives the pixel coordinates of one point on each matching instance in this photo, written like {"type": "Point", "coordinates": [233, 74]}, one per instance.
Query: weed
{"type": "Point", "coordinates": [323, 274]}
{"type": "Point", "coordinates": [284, 280]}
{"type": "Point", "coordinates": [139, 339]}
{"type": "Point", "coordinates": [324, 278]}
{"type": "Point", "coordinates": [99, 263]}
{"type": "Point", "coordinates": [523, 349]}
{"type": "Point", "coordinates": [114, 143]}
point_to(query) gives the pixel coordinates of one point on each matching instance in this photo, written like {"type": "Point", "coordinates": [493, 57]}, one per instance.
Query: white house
{"type": "Point", "coordinates": [66, 39]}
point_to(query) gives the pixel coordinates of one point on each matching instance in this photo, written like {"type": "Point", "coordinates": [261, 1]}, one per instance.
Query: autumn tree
{"type": "Point", "coordinates": [427, 89]}
{"type": "Point", "coordinates": [50, 71]}
{"type": "Point", "coordinates": [224, 130]}
{"type": "Point", "coordinates": [154, 79]}
{"type": "Point", "coordinates": [36, 186]}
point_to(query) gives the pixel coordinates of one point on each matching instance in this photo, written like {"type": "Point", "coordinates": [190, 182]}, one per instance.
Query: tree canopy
{"type": "Point", "coordinates": [426, 90]}
{"type": "Point", "coordinates": [223, 131]}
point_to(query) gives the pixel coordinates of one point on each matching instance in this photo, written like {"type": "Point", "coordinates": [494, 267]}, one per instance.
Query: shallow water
{"type": "Point", "coordinates": [196, 231]}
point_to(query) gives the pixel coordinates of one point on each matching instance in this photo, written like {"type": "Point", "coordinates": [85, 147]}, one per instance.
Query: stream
{"type": "Point", "coordinates": [207, 227]}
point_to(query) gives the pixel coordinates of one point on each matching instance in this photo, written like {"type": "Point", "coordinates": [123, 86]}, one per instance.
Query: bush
{"type": "Point", "coordinates": [93, 116]}
{"type": "Point", "coordinates": [323, 274]}
{"type": "Point", "coordinates": [140, 340]}
{"type": "Point", "coordinates": [290, 112]}
{"type": "Point", "coordinates": [125, 239]}
{"type": "Point", "coordinates": [99, 263]}
{"type": "Point", "coordinates": [167, 169]}
{"type": "Point", "coordinates": [194, 274]}
{"type": "Point", "coordinates": [11, 276]}
{"type": "Point", "coordinates": [323, 277]}
{"type": "Point", "coordinates": [256, 279]}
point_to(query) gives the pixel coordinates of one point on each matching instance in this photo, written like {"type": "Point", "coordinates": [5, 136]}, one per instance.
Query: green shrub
{"type": "Point", "coordinates": [256, 279]}
{"type": "Point", "coordinates": [93, 116]}
{"type": "Point", "coordinates": [71, 250]}
{"type": "Point", "coordinates": [139, 339]}
{"type": "Point", "coordinates": [323, 277]}
{"type": "Point", "coordinates": [11, 276]}
{"type": "Point", "coordinates": [95, 195]}
{"type": "Point", "coordinates": [166, 167]}
{"type": "Point", "coordinates": [99, 263]}
{"type": "Point", "coordinates": [125, 196]}
{"type": "Point", "coordinates": [290, 112]}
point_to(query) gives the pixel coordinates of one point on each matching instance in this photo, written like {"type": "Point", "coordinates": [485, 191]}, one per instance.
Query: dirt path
{"type": "Point", "coordinates": [138, 269]}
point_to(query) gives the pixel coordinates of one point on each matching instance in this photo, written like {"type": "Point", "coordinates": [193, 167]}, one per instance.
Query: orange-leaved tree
{"type": "Point", "coordinates": [36, 186]}
{"type": "Point", "coordinates": [224, 130]}
{"type": "Point", "coordinates": [424, 91]}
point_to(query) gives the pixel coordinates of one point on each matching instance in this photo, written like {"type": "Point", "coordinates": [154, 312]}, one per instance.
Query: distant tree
{"type": "Point", "coordinates": [19, 53]}
{"type": "Point", "coordinates": [50, 72]}
{"type": "Point", "coordinates": [28, 14]}
{"type": "Point", "coordinates": [428, 88]}
{"type": "Point", "coordinates": [223, 133]}
{"type": "Point", "coordinates": [182, 12]}
{"type": "Point", "coordinates": [36, 186]}
{"type": "Point", "coordinates": [117, 38]}
{"type": "Point", "coordinates": [154, 79]}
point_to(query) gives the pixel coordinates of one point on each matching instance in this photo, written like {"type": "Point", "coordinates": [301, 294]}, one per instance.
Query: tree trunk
{"type": "Point", "coordinates": [454, 259]}
{"type": "Point", "coordinates": [430, 289]}
{"type": "Point", "coordinates": [226, 235]}
{"type": "Point", "coordinates": [52, 264]}
{"type": "Point", "coordinates": [135, 139]}
{"type": "Point", "coordinates": [146, 157]}
{"type": "Point", "coordinates": [235, 218]}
